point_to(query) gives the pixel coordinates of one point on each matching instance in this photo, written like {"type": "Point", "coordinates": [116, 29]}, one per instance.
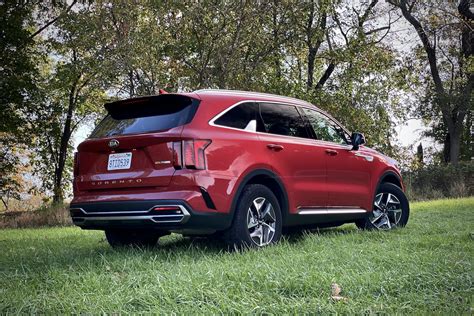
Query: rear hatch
{"type": "Point", "coordinates": [132, 147]}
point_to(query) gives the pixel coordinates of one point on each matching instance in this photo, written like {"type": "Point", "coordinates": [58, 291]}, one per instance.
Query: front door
{"type": "Point", "coordinates": [347, 172]}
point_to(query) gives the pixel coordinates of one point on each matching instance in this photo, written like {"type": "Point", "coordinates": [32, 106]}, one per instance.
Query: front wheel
{"type": "Point", "coordinates": [390, 209]}
{"type": "Point", "coordinates": [122, 238]}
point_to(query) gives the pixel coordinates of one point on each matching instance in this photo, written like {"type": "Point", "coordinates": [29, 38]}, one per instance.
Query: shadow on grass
{"type": "Point", "coordinates": [298, 235]}
{"type": "Point", "coordinates": [39, 254]}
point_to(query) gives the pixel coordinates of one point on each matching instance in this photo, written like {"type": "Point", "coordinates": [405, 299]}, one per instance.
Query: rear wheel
{"type": "Point", "coordinates": [122, 238]}
{"type": "Point", "coordinates": [390, 209]}
{"type": "Point", "coordinates": [257, 221]}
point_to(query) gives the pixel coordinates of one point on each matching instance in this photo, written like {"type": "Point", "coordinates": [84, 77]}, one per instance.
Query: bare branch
{"type": "Point", "coordinates": [452, 68]}
{"type": "Point", "coordinates": [339, 25]}
{"type": "Point", "coordinates": [361, 20]}
{"type": "Point", "coordinates": [367, 11]}
{"type": "Point", "coordinates": [430, 50]}
{"type": "Point", "coordinates": [377, 30]}
{"type": "Point", "coordinates": [49, 23]}
{"type": "Point", "coordinates": [326, 75]}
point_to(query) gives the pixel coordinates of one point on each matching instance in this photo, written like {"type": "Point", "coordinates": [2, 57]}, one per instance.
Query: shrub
{"type": "Point", "coordinates": [440, 181]}
{"type": "Point", "coordinates": [53, 215]}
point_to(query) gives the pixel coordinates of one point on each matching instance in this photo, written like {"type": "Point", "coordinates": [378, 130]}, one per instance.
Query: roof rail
{"type": "Point", "coordinates": [249, 93]}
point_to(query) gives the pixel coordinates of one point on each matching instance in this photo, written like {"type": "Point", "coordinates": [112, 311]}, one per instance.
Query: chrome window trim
{"type": "Point", "coordinates": [215, 118]}
{"type": "Point", "coordinates": [314, 108]}
{"type": "Point", "coordinates": [212, 121]}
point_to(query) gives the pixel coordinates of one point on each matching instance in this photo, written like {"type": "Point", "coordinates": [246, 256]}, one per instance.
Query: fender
{"type": "Point", "coordinates": [385, 175]}
{"type": "Point", "coordinates": [390, 173]}
{"type": "Point", "coordinates": [246, 180]}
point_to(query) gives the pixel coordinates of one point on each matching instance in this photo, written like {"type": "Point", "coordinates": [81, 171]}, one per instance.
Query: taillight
{"type": "Point", "coordinates": [190, 154]}
{"type": "Point", "coordinates": [76, 164]}
{"type": "Point", "coordinates": [177, 155]}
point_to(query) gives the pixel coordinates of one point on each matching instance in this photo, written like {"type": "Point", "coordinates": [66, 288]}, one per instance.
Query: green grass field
{"type": "Point", "coordinates": [423, 268]}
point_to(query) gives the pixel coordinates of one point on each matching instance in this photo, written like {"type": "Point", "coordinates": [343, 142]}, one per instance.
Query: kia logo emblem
{"type": "Point", "coordinates": [113, 143]}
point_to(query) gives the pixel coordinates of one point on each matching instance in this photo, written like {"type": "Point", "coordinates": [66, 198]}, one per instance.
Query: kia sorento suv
{"type": "Point", "coordinates": [239, 165]}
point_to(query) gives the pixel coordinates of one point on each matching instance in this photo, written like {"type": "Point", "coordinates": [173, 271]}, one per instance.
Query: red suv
{"type": "Point", "coordinates": [240, 165]}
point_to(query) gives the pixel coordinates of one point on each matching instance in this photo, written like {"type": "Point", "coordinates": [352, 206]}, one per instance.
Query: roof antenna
{"type": "Point", "coordinates": [162, 91]}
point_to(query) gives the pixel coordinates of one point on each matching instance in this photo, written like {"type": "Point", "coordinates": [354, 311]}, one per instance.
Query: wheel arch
{"type": "Point", "coordinates": [270, 180]}
{"type": "Point", "coordinates": [390, 177]}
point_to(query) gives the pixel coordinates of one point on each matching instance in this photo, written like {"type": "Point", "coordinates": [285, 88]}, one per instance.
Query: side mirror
{"type": "Point", "coordinates": [357, 139]}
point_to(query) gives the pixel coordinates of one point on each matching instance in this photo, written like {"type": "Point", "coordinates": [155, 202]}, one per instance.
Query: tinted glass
{"type": "Point", "coordinates": [151, 118]}
{"type": "Point", "coordinates": [324, 128]}
{"type": "Point", "coordinates": [242, 116]}
{"type": "Point", "coordinates": [282, 120]}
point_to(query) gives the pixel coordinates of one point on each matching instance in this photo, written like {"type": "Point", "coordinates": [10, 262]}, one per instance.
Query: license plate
{"type": "Point", "coordinates": [119, 161]}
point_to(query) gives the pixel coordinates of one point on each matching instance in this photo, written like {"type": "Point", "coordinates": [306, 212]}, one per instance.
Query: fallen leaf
{"type": "Point", "coordinates": [335, 291]}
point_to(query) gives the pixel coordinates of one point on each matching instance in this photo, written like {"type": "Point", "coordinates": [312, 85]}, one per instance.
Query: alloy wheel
{"type": "Point", "coordinates": [387, 211]}
{"type": "Point", "coordinates": [261, 221]}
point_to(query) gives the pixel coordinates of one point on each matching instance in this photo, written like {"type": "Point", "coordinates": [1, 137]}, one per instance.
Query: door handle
{"type": "Point", "coordinates": [275, 147]}
{"type": "Point", "coordinates": [331, 152]}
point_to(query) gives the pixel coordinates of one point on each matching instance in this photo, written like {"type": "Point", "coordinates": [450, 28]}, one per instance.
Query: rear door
{"type": "Point", "coordinates": [134, 145]}
{"type": "Point", "coordinates": [348, 173]}
{"type": "Point", "coordinates": [294, 155]}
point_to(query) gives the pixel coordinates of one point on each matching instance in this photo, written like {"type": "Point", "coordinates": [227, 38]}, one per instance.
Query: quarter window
{"type": "Point", "coordinates": [242, 116]}
{"type": "Point", "coordinates": [282, 120]}
{"type": "Point", "coordinates": [324, 128]}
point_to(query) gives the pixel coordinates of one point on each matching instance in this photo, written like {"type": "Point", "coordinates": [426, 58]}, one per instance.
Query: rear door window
{"type": "Point", "coordinates": [145, 115]}
{"type": "Point", "coordinates": [282, 119]}
{"type": "Point", "coordinates": [242, 116]}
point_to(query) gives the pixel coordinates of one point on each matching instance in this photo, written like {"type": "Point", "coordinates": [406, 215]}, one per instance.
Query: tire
{"type": "Point", "coordinates": [390, 210]}
{"type": "Point", "coordinates": [257, 220]}
{"type": "Point", "coordinates": [123, 238]}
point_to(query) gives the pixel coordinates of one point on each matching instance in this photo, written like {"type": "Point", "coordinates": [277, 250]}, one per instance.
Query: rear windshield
{"type": "Point", "coordinates": [150, 115]}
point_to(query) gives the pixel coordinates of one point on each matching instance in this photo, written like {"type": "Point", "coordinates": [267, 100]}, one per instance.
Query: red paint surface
{"type": "Point", "coordinates": [313, 172]}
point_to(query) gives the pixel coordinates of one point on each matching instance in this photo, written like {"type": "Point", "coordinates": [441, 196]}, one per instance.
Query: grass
{"type": "Point", "coordinates": [423, 268]}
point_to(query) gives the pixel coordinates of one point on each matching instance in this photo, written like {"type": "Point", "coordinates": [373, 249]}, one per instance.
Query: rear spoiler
{"type": "Point", "coordinates": [149, 106]}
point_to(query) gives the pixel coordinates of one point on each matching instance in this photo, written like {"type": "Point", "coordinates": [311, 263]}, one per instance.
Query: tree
{"type": "Point", "coordinates": [19, 93]}
{"type": "Point", "coordinates": [349, 69]}
{"type": "Point", "coordinates": [74, 94]}
{"type": "Point", "coordinates": [329, 52]}
{"type": "Point", "coordinates": [261, 46]}
{"type": "Point", "coordinates": [448, 45]}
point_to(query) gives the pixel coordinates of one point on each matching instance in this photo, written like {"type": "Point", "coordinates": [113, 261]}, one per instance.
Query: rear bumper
{"type": "Point", "coordinates": [142, 215]}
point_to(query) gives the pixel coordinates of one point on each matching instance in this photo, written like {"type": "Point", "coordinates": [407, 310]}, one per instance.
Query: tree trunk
{"type": "Point", "coordinates": [446, 148]}
{"type": "Point", "coordinates": [311, 58]}
{"type": "Point", "coordinates": [5, 202]}
{"type": "Point", "coordinates": [455, 144]}
{"type": "Point", "coordinates": [314, 48]}
{"type": "Point", "coordinates": [58, 196]}
{"type": "Point", "coordinates": [325, 76]}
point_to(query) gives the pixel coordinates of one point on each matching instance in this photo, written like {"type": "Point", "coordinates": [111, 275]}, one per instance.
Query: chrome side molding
{"type": "Point", "coordinates": [328, 211]}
